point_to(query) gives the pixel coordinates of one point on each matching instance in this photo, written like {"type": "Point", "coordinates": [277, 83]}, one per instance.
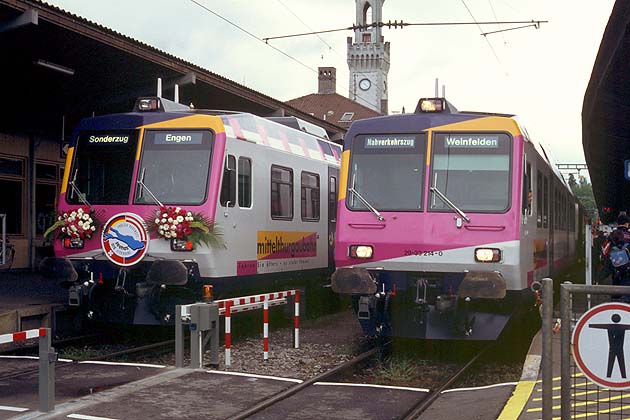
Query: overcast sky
{"type": "Point", "coordinates": [538, 74]}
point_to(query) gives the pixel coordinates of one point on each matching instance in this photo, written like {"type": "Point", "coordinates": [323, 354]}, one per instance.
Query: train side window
{"type": "Point", "coordinates": [545, 206]}
{"type": "Point", "coordinates": [310, 197]}
{"type": "Point", "coordinates": [539, 195]}
{"type": "Point", "coordinates": [332, 199]}
{"type": "Point", "coordinates": [281, 193]}
{"type": "Point", "coordinates": [527, 190]}
{"type": "Point", "coordinates": [228, 187]}
{"type": "Point", "coordinates": [244, 182]}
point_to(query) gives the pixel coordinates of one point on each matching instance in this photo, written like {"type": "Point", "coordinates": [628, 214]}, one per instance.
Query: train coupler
{"type": "Point", "coordinates": [364, 308]}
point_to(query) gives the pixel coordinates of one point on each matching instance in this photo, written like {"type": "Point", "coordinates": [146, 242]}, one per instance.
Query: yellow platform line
{"type": "Point", "coordinates": [583, 404]}
{"type": "Point", "coordinates": [515, 405]}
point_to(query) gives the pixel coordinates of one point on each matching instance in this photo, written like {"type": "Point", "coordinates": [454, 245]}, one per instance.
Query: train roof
{"type": "Point", "coordinates": [445, 114]}
{"type": "Point", "coordinates": [287, 134]}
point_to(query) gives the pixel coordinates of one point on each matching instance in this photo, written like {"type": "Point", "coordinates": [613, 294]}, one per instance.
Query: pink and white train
{"type": "Point", "coordinates": [445, 219]}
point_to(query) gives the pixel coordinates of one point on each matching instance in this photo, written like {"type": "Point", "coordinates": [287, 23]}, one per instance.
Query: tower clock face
{"type": "Point", "coordinates": [365, 84]}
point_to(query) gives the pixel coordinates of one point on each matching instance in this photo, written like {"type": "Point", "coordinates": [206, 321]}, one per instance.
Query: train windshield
{"type": "Point", "coordinates": [103, 167]}
{"type": "Point", "coordinates": [387, 171]}
{"type": "Point", "coordinates": [174, 166]}
{"type": "Point", "coordinates": [472, 170]}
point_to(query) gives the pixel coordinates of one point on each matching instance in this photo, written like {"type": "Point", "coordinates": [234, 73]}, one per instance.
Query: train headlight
{"type": "Point", "coordinates": [181, 245]}
{"type": "Point", "coordinates": [73, 243]}
{"type": "Point", "coordinates": [487, 255]}
{"type": "Point", "coordinates": [361, 251]}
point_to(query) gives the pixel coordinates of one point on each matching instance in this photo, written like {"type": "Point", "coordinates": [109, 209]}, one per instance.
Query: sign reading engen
{"type": "Point", "coordinates": [178, 137]}
{"type": "Point", "coordinates": [390, 142]}
{"type": "Point", "coordinates": [469, 142]}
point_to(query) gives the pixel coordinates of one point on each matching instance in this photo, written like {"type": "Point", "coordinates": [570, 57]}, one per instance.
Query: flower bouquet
{"type": "Point", "coordinates": [80, 223]}
{"type": "Point", "coordinates": [177, 223]}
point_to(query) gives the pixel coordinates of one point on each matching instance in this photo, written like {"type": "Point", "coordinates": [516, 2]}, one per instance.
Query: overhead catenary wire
{"type": "Point", "coordinates": [240, 28]}
{"type": "Point", "coordinates": [402, 24]}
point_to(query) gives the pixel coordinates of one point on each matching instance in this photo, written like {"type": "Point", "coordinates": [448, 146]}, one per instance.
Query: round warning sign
{"type": "Point", "coordinates": [601, 346]}
{"type": "Point", "coordinates": [125, 239]}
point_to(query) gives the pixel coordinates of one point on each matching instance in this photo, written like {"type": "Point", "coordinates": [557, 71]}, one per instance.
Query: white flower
{"type": "Point", "coordinates": [79, 210]}
{"type": "Point", "coordinates": [167, 234]}
{"type": "Point", "coordinates": [157, 221]}
{"type": "Point", "coordinates": [71, 219]}
{"type": "Point", "coordinates": [170, 219]}
{"type": "Point", "coordinates": [63, 229]}
{"type": "Point", "coordinates": [164, 215]}
{"type": "Point", "coordinates": [173, 227]}
{"type": "Point", "coordinates": [65, 215]}
{"type": "Point", "coordinates": [189, 214]}
{"type": "Point", "coordinates": [179, 219]}
{"type": "Point", "coordinates": [165, 226]}
{"type": "Point", "coordinates": [178, 209]}
{"type": "Point", "coordinates": [86, 216]}
{"type": "Point", "coordinates": [73, 214]}
{"type": "Point", "coordinates": [93, 228]}
{"type": "Point", "coordinates": [90, 220]}
{"type": "Point", "coordinates": [74, 228]}
{"type": "Point", "coordinates": [59, 218]}
{"type": "Point", "coordinates": [163, 220]}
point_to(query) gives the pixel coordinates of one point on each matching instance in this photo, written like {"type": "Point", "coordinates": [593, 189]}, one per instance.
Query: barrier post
{"type": "Point", "coordinates": [47, 359]}
{"type": "Point", "coordinates": [179, 338]}
{"type": "Point", "coordinates": [266, 328]}
{"type": "Point", "coordinates": [228, 332]}
{"type": "Point", "coordinates": [547, 337]}
{"type": "Point", "coordinates": [296, 316]}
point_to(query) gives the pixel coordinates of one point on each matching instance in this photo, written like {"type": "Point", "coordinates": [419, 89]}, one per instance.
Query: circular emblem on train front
{"type": "Point", "coordinates": [125, 239]}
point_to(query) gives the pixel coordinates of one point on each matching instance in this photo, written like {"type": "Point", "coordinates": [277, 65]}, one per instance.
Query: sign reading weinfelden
{"type": "Point", "coordinates": [390, 142]}
{"type": "Point", "coordinates": [469, 142]}
{"type": "Point", "coordinates": [178, 137]}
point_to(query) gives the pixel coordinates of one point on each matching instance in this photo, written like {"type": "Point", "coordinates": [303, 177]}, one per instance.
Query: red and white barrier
{"type": "Point", "coordinates": [296, 330]}
{"type": "Point", "coordinates": [22, 335]}
{"type": "Point", "coordinates": [266, 330]}
{"type": "Point", "coordinates": [228, 332]}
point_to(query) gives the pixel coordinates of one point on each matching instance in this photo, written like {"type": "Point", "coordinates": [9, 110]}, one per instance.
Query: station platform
{"type": "Point", "coordinates": [29, 300]}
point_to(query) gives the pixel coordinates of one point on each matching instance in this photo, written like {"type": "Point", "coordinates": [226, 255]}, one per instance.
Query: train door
{"type": "Point", "coordinates": [333, 178]}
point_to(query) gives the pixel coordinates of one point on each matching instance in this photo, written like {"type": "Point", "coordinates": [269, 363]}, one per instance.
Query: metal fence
{"type": "Point", "coordinates": [580, 397]}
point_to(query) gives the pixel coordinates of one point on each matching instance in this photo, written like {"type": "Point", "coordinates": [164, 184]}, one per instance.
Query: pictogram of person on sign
{"type": "Point", "coordinates": [616, 337]}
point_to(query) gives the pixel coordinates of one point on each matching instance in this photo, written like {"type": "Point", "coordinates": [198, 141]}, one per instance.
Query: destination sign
{"type": "Point", "coordinates": [178, 137]}
{"type": "Point", "coordinates": [108, 139]}
{"type": "Point", "coordinates": [467, 142]}
{"type": "Point", "coordinates": [390, 142]}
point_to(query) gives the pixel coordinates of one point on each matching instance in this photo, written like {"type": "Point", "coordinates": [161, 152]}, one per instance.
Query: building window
{"type": "Point", "coordinates": [244, 182]}
{"type": "Point", "coordinates": [281, 193]}
{"type": "Point", "coordinates": [366, 38]}
{"type": "Point", "coordinates": [346, 117]}
{"type": "Point", "coordinates": [12, 185]}
{"type": "Point", "coordinates": [310, 197]}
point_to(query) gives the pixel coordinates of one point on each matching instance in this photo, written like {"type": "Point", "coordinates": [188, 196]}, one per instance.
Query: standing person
{"type": "Point", "coordinates": [616, 256]}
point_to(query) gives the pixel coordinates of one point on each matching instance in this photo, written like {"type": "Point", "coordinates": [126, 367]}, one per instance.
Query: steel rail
{"type": "Point", "coordinates": [299, 387]}
{"type": "Point", "coordinates": [415, 411]}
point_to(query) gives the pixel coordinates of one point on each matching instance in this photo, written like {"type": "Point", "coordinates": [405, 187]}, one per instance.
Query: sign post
{"type": "Point", "coordinates": [598, 345]}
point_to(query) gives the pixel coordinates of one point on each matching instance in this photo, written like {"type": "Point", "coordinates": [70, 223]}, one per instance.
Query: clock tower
{"type": "Point", "coordinates": [368, 57]}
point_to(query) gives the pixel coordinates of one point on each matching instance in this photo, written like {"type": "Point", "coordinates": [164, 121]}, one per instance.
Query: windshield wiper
{"type": "Point", "coordinates": [80, 195]}
{"type": "Point", "coordinates": [379, 216]}
{"type": "Point", "coordinates": [144, 187]}
{"type": "Point", "coordinates": [450, 204]}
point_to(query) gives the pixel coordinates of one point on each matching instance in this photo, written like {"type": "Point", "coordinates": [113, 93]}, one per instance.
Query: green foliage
{"type": "Point", "coordinates": [584, 192]}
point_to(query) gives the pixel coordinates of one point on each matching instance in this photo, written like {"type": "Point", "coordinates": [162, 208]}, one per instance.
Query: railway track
{"type": "Point", "coordinates": [422, 405]}
{"type": "Point", "coordinates": [148, 348]}
{"type": "Point", "coordinates": [301, 386]}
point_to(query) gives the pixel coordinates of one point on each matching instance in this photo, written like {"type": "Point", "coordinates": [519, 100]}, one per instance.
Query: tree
{"type": "Point", "coordinates": [584, 193]}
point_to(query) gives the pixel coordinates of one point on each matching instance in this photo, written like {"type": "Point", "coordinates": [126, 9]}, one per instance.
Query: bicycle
{"type": "Point", "coordinates": [6, 255]}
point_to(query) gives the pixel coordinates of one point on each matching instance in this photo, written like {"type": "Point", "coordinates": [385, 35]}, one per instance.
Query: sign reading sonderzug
{"type": "Point", "coordinates": [108, 139]}
{"type": "Point", "coordinates": [487, 142]}
{"type": "Point", "coordinates": [390, 142]}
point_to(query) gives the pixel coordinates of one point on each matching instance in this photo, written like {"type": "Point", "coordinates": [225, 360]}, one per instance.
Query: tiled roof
{"type": "Point", "coordinates": [320, 104]}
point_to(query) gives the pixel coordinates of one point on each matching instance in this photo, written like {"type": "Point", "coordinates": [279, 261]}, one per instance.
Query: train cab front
{"type": "Point", "coordinates": [136, 211]}
{"type": "Point", "coordinates": [427, 239]}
